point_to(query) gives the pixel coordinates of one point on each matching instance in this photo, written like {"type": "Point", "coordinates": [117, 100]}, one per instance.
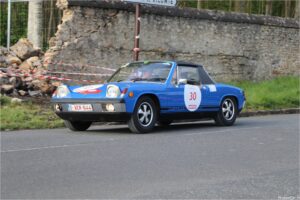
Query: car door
{"type": "Point", "coordinates": [209, 91]}
{"type": "Point", "coordinates": [185, 91]}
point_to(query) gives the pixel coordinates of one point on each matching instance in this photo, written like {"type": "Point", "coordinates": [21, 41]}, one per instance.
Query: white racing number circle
{"type": "Point", "coordinates": [192, 97]}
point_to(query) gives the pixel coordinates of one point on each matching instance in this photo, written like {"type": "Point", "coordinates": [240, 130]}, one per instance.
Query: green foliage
{"type": "Point", "coordinates": [4, 100]}
{"type": "Point", "coordinates": [52, 15]}
{"type": "Point", "coordinates": [26, 115]}
{"type": "Point", "coordinates": [244, 6]}
{"type": "Point", "coordinates": [19, 17]}
{"type": "Point", "coordinates": [281, 92]}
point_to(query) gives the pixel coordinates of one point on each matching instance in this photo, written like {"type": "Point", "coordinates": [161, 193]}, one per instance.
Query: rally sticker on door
{"type": "Point", "coordinates": [192, 97]}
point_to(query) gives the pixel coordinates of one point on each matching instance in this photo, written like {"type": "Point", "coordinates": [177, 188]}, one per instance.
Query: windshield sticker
{"type": "Point", "coordinates": [212, 88]}
{"type": "Point", "coordinates": [192, 97]}
{"type": "Point", "coordinates": [89, 89]}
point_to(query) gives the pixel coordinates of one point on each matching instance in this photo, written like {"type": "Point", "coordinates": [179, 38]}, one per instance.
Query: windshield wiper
{"type": "Point", "coordinates": [137, 79]}
{"type": "Point", "coordinates": [148, 79]}
{"type": "Point", "coordinates": [157, 79]}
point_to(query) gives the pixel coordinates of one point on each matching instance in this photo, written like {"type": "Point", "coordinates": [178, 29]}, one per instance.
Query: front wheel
{"type": "Point", "coordinates": [228, 112]}
{"type": "Point", "coordinates": [144, 116]}
{"type": "Point", "coordinates": [77, 125]}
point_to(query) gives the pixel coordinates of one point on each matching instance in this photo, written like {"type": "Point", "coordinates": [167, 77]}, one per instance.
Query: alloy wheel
{"type": "Point", "coordinates": [228, 109]}
{"type": "Point", "coordinates": [145, 114]}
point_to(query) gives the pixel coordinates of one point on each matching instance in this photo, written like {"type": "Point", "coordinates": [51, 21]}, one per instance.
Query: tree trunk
{"type": "Point", "coordinates": [240, 6]}
{"type": "Point", "coordinates": [237, 6]}
{"type": "Point", "coordinates": [35, 23]}
{"type": "Point", "coordinates": [269, 7]}
{"type": "Point", "coordinates": [50, 24]}
{"type": "Point", "coordinates": [198, 4]}
{"type": "Point", "coordinates": [287, 8]}
{"type": "Point", "coordinates": [249, 6]}
{"type": "Point", "coordinates": [297, 10]}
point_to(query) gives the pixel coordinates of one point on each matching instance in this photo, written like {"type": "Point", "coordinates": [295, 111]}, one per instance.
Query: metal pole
{"type": "Point", "coordinates": [8, 22]}
{"type": "Point", "coordinates": [137, 32]}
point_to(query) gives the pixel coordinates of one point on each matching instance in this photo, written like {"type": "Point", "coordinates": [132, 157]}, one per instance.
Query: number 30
{"type": "Point", "coordinates": [193, 96]}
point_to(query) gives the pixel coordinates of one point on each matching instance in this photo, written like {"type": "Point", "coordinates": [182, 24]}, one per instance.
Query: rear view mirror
{"type": "Point", "coordinates": [182, 81]}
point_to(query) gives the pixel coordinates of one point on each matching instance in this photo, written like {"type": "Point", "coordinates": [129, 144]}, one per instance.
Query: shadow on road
{"type": "Point", "coordinates": [123, 129]}
{"type": "Point", "coordinates": [177, 127]}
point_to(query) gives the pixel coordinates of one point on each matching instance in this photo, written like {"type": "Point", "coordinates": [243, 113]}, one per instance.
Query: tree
{"type": "Point", "coordinates": [268, 7]}
{"type": "Point", "coordinates": [237, 6]}
{"type": "Point", "coordinates": [240, 6]}
{"type": "Point", "coordinates": [35, 23]}
{"type": "Point", "coordinates": [51, 23]}
{"type": "Point", "coordinates": [297, 10]}
{"type": "Point", "coordinates": [249, 6]}
{"type": "Point", "coordinates": [199, 4]}
{"type": "Point", "coordinates": [287, 8]}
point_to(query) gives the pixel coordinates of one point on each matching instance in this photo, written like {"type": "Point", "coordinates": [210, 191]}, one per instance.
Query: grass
{"type": "Point", "coordinates": [278, 93]}
{"type": "Point", "coordinates": [26, 115]}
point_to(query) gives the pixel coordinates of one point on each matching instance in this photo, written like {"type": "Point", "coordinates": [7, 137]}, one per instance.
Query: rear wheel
{"type": "Point", "coordinates": [144, 116]}
{"type": "Point", "coordinates": [77, 125]}
{"type": "Point", "coordinates": [228, 112]}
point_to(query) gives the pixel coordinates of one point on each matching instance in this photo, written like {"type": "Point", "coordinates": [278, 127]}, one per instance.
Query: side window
{"type": "Point", "coordinates": [204, 77]}
{"type": "Point", "coordinates": [190, 73]}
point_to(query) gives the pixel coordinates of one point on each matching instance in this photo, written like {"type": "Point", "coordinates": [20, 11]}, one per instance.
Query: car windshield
{"type": "Point", "coordinates": [142, 71]}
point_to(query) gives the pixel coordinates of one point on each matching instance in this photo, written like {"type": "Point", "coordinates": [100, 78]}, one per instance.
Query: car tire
{"type": "Point", "coordinates": [164, 123]}
{"type": "Point", "coordinates": [77, 125]}
{"type": "Point", "coordinates": [228, 112]}
{"type": "Point", "coordinates": [144, 116]}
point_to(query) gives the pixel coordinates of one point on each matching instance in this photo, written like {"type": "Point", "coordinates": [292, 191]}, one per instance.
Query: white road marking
{"type": "Point", "coordinates": [52, 147]}
{"type": "Point", "coordinates": [226, 130]}
{"type": "Point", "coordinates": [111, 139]}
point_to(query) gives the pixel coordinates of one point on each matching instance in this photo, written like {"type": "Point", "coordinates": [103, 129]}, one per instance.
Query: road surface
{"type": "Point", "coordinates": [256, 158]}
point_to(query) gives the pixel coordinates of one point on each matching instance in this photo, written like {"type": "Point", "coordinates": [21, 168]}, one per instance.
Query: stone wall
{"type": "Point", "coordinates": [231, 46]}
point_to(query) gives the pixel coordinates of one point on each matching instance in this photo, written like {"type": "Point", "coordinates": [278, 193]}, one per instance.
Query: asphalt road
{"type": "Point", "coordinates": [256, 158]}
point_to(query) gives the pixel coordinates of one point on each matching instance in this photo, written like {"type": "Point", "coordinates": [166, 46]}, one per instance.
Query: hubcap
{"type": "Point", "coordinates": [145, 114]}
{"type": "Point", "coordinates": [228, 109]}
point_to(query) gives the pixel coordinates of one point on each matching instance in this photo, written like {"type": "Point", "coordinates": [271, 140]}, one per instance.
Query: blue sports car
{"type": "Point", "coordinates": [145, 93]}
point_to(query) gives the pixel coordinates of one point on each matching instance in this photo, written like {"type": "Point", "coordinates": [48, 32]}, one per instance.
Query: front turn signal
{"type": "Point", "coordinates": [131, 94]}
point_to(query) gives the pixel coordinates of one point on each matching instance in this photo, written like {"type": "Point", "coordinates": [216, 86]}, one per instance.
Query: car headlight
{"type": "Point", "coordinates": [62, 91]}
{"type": "Point", "coordinates": [112, 91]}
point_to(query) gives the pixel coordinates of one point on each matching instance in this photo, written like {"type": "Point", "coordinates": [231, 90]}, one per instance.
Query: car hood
{"type": "Point", "coordinates": [99, 90]}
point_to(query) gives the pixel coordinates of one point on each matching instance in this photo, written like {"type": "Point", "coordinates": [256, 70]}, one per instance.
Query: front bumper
{"type": "Point", "coordinates": [98, 114]}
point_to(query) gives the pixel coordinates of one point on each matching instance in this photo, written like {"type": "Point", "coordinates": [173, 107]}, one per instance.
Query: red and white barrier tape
{"type": "Point", "coordinates": [76, 73]}
{"type": "Point", "coordinates": [66, 79]}
{"type": "Point", "coordinates": [78, 65]}
{"type": "Point", "coordinates": [31, 73]}
{"type": "Point", "coordinates": [48, 77]}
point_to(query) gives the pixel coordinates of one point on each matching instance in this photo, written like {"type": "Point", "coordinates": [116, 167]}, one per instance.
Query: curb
{"type": "Point", "coordinates": [270, 112]}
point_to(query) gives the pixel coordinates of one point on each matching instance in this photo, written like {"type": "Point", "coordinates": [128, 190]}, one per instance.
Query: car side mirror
{"type": "Point", "coordinates": [182, 81]}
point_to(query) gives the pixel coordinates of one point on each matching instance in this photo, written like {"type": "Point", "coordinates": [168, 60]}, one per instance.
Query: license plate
{"type": "Point", "coordinates": [80, 107]}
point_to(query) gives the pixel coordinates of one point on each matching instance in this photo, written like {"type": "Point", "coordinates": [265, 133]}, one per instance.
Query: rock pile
{"type": "Point", "coordinates": [21, 68]}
